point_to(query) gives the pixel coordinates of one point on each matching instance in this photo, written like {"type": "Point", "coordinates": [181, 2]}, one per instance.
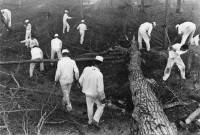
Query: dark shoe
{"type": "Point", "coordinates": [96, 124]}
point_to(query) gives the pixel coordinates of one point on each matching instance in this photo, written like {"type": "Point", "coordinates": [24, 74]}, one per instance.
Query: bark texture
{"type": "Point", "coordinates": [148, 116]}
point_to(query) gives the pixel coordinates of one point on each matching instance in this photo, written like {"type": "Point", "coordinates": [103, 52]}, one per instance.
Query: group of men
{"type": "Point", "coordinates": [186, 30]}
{"type": "Point", "coordinates": [91, 79]}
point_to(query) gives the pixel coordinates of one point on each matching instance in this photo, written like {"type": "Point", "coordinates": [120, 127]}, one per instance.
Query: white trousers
{"type": "Point", "coordinates": [66, 96]}
{"type": "Point", "coordinates": [188, 34]}
{"type": "Point", "coordinates": [58, 51]}
{"type": "Point", "coordinates": [82, 34]}
{"type": "Point", "coordinates": [65, 25]}
{"type": "Point", "coordinates": [142, 34]}
{"type": "Point", "coordinates": [178, 61]}
{"type": "Point", "coordinates": [90, 104]}
{"type": "Point", "coordinates": [32, 66]}
{"type": "Point", "coordinates": [27, 36]}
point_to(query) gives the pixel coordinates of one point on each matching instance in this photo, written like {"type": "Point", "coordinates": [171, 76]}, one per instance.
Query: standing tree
{"type": "Point", "coordinates": [167, 40]}
{"type": "Point", "coordinates": [142, 7]}
{"type": "Point", "coordinates": [148, 116]}
{"type": "Point", "coordinates": [178, 7]}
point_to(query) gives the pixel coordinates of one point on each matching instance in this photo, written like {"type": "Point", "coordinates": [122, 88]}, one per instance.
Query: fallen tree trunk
{"type": "Point", "coordinates": [55, 60]}
{"type": "Point", "coordinates": [148, 116]}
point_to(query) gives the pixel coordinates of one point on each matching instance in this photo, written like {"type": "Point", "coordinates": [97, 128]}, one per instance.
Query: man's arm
{"type": "Point", "coordinates": [82, 77]}
{"type": "Point", "coordinates": [150, 30]}
{"type": "Point", "coordinates": [24, 41]}
{"type": "Point", "coordinates": [76, 71]}
{"type": "Point", "coordinates": [100, 87]}
{"type": "Point", "coordinates": [57, 76]}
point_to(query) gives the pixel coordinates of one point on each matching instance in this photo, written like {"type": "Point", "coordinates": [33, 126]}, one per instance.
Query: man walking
{"type": "Point", "coordinates": [82, 28]}
{"type": "Point", "coordinates": [56, 46]}
{"type": "Point", "coordinates": [6, 17]}
{"type": "Point", "coordinates": [187, 30]}
{"type": "Point", "coordinates": [66, 69]}
{"type": "Point", "coordinates": [174, 57]}
{"type": "Point", "coordinates": [65, 23]}
{"type": "Point", "coordinates": [92, 84]}
{"type": "Point", "coordinates": [28, 30]}
{"type": "Point", "coordinates": [36, 54]}
{"type": "Point", "coordinates": [144, 33]}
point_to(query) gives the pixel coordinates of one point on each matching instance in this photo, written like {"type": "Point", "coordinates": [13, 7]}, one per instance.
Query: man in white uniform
{"type": "Point", "coordinates": [31, 42]}
{"type": "Point", "coordinates": [144, 33]}
{"type": "Point", "coordinates": [66, 70]}
{"type": "Point", "coordinates": [6, 17]}
{"type": "Point", "coordinates": [187, 30]}
{"type": "Point", "coordinates": [65, 23]}
{"type": "Point", "coordinates": [36, 54]}
{"type": "Point", "coordinates": [92, 84]}
{"type": "Point", "coordinates": [82, 28]}
{"type": "Point", "coordinates": [174, 57]}
{"type": "Point", "coordinates": [28, 30]}
{"type": "Point", "coordinates": [56, 46]}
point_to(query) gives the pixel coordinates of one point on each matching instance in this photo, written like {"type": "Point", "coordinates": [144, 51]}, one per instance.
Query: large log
{"type": "Point", "coordinates": [148, 116]}
{"type": "Point", "coordinates": [55, 60]}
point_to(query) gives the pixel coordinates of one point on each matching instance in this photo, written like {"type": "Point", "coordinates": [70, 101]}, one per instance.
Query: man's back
{"type": "Point", "coordinates": [36, 53]}
{"type": "Point", "coordinates": [92, 81]}
{"type": "Point", "coordinates": [56, 43]}
{"type": "Point", "coordinates": [82, 27]}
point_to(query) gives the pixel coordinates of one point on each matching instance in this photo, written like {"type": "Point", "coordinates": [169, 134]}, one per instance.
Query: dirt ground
{"type": "Point", "coordinates": [106, 28]}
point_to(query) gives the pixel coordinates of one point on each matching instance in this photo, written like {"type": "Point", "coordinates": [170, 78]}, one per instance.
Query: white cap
{"type": "Point", "coordinates": [26, 21]}
{"type": "Point", "coordinates": [154, 23]}
{"type": "Point", "coordinates": [82, 21]}
{"type": "Point", "coordinates": [56, 35]}
{"type": "Point", "coordinates": [65, 51]}
{"type": "Point", "coordinates": [66, 11]}
{"type": "Point", "coordinates": [177, 25]}
{"type": "Point", "coordinates": [99, 58]}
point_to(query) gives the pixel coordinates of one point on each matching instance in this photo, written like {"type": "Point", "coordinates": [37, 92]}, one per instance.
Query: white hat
{"type": "Point", "coordinates": [56, 35]}
{"type": "Point", "coordinates": [66, 11]}
{"type": "Point", "coordinates": [154, 23]}
{"type": "Point", "coordinates": [65, 51]}
{"type": "Point", "coordinates": [177, 25]}
{"type": "Point", "coordinates": [99, 58]}
{"type": "Point", "coordinates": [82, 21]}
{"type": "Point", "coordinates": [26, 21]}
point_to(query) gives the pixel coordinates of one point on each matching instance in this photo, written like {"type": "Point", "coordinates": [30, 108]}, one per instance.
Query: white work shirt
{"type": "Point", "coordinates": [92, 83]}
{"type": "Point", "coordinates": [6, 14]}
{"type": "Point", "coordinates": [147, 27]}
{"type": "Point", "coordinates": [182, 27]}
{"type": "Point", "coordinates": [28, 27]}
{"type": "Point", "coordinates": [31, 42]}
{"type": "Point", "coordinates": [65, 17]}
{"type": "Point", "coordinates": [177, 52]}
{"type": "Point", "coordinates": [36, 53]}
{"type": "Point", "coordinates": [82, 27]}
{"type": "Point", "coordinates": [56, 44]}
{"type": "Point", "coordinates": [66, 68]}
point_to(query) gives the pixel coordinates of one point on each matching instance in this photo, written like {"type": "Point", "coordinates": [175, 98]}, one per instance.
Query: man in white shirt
{"type": "Point", "coordinates": [65, 23]}
{"type": "Point", "coordinates": [92, 84]}
{"type": "Point", "coordinates": [66, 70]}
{"type": "Point", "coordinates": [36, 54]}
{"type": "Point", "coordinates": [31, 42]}
{"type": "Point", "coordinates": [144, 33]}
{"type": "Point", "coordinates": [6, 17]}
{"type": "Point", "coordinates": [187, 30]}
{"type": "Point", "coordinates": [56, 46]}
{"type": "Point", "coordinates": [28, 30]}
{"type": "Point", "coordinates": [174, 57]}
{"type": "Point", "coordinates": [82, 28]}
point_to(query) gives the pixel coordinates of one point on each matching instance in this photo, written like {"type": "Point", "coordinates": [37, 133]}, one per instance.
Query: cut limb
{"type": "Point", "coordinates": [148, 116]}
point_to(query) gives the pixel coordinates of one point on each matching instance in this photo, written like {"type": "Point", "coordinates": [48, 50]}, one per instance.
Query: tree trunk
{"type": "Point", "coordinates": [148, 116]}
{"type": "Point", "coordinates": [178, 7]}
{"type": "Point", "coordinates": [142, 7]}
{"type": "Point", "coordinates": [166, 24]}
